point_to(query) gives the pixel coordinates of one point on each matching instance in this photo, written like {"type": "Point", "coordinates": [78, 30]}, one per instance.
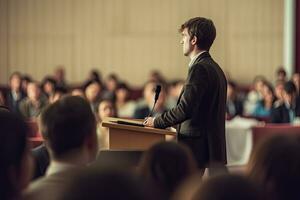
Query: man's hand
{"type": "Point", "coordinates": [149, 121]}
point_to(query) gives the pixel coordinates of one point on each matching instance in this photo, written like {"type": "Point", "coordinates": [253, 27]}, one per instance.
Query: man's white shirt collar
{"type": "Point", "coordinates": [194, 58]}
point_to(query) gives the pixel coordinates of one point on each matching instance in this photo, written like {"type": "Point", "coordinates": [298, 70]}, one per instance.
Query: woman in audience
{"type": "Point", "coordinates": [93, 93]}
{"type": "Point", "coordinates": [166, 165]}
{"type": "Point", "coordinates": [111, 84]}
{"type": "Point", "coordinates": [255, 95]}
{"type": "Point", "coordinates": [15, 159]}
{"type": "Point", "coordinates": [279, 87]}
{"type": "Point", "coordinates": [233, 105]}
{"type": "Point", "coordinates": [26, 79]}
{"type": "Point", "coordinates": [296, 81]}
{"type": "Point", "coordinates": [264, 106]}
{"type": "Point", "coordinates": [124, 105]}
{"type": "Point", "coordinates": [106, 108]}
{"type": "Point", "coordinates": [274, 166]}
{"type": "Point", "coordinates": [48, 87]}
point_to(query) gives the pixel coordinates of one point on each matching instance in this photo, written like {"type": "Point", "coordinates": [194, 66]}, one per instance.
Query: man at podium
{"type": "Point", "coordinates": [200, 110]}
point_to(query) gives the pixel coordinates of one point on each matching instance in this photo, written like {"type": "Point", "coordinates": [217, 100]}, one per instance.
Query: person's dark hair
{"type": "Point", "coordinates": [66, 124]}
{"type": "Point", "coordinates": [50, 80]}
{"type": "Point", "coordinates": [122, 85]}
{"type": "Point", "coordinates": [281, 70]}
{"type": "Point", "coordinates": [12, 150]}
{"type": "Point", "coordinates": [99, 182]}
{"type": "Point", "coordinates": [166, 165]}
{"type": "Point", "coordinates": [290, 88]}
{"type": "Point", "coordinates": [26, 78]}
{"type": "Point", "coordinates": [227, 187]}
{"type": "Point", "coordinates": [203, 29]}
{"type": "Point", "coordinates": [274, 166]}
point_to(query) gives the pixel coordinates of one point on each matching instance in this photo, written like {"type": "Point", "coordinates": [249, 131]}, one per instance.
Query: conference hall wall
{"type": "Point", "coordinates": [131, 37]}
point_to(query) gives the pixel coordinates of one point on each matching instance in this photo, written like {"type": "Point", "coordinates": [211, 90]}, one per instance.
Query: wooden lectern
{"type": "Point", "coordinates": [130, 137]}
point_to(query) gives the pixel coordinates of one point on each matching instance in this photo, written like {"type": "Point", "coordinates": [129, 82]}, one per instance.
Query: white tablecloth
{"type": "Point", "coordinates": [239, 140]}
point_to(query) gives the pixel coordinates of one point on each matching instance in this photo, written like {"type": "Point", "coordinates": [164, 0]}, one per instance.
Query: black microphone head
{"type": "Point", "coordinates": [157, 91]}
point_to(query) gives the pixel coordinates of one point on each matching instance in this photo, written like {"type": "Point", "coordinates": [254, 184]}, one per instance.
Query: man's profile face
{"type": "Point", "coordinates": [186, 42]}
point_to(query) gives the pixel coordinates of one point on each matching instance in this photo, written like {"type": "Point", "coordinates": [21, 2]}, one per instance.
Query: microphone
{"type": "Point", "coordinates": [157, 92]}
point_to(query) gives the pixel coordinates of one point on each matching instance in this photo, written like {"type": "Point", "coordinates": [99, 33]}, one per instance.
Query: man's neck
{"type": "Point", "coordinates": [194, 53]}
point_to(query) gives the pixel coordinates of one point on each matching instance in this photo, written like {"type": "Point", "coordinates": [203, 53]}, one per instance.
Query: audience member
{"type": "Point", "coordinates": [106, 183]}
{"type": "Point", "coordinates": [48, 87]}
{"type": "Point", "coordinates": [59, 92]}
{"type": "Point", "coordinates": [274, 167]}
{"type": "Point", "coordinates": [31, 106]}
{"type": "Point", "coordinates": [106, 108]}
{"type": "Point", "coordinates": [234, 106]}
{"type": "Point", "coordinates": [296, 81]}
{"type": "Point", "coordinates": [111, 84]}
{"type": "Point", "coordinates": [144, 110]}
{"type": "Point", "coordinates": [93, 93]}
{"type": "Point", "coordinates": [263, 107]}
{"type": "Point", "coordinates": [25, 80]}
{"type": "Point", "coordinates": [281, 74]}
{"type": "Point", "coordinates": [290, 109]}
{"type": "Point", "coordinates": [15, 160]}
{"type": "Point", "coordinates": [279, 87]}
{"type": "Point", "coordinates": [174, 90]}
{"type": "Point", "coordinates": [15, 94]}
{"type": "Point", "coordinates": [166, 165]}
{"type": "Point", "coordinates": [59, 76]}
{"type": "Point", "coordinates": [254, 95]}
{"type": "Point", "coordinates": [124, 106]}
{"type": "Point", "coordinates": [227, 187]}
{"type": "Point", "coordinates": [68, 127]}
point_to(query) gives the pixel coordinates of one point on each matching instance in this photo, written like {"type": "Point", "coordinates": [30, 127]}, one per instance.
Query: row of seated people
{"type": "Point", "coordinates": [281, 105]}
{"type": "Point", "coordinates": [165, 171]}
{"type": "Point", "coordinates": [29, 103]}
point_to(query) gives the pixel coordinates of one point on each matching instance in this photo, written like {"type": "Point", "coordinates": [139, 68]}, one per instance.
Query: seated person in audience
{"type": "Point", "coordinates": [59, 92]}
{"type": "Point", "coordinates": [111, 84]}
{"type": "Point", "coordinates": [124, 106]}
{"type": "Point", "coordinates": [263, 108]}
{"type": "Point", "coordinates": [35, 101]}
{"type": "Point", "coordinates": [59, 76]}
{"type": "Point", "coordinates": [68, 127]}
{"type": "Point", "coordinates": [225, 187]}
{"type": "Point", "coordinates": [93, 93]}
{"type": "Point", "coordinates": [233, 105]}
{"type": "Point", "coordinates": [15, 159]}
{"type": "Point", "coordinates": [166, 165]}
{"type": "Point", "coordinates": [107, 183]}
{"type": "Point", "coordinates": [106, 108]}
{"type": "Point", "coordinates": [255, 95]}
{"type": "Point", "coordinates": [281, 74]}
{"type": "Point", "coordinates": [144, 110]}
{"type": "Point", "coordinates": [296, 81]}
{"type": "Point", "coordinates": [26, 79]}
{"type": "Point", "coordinates": [174, 91]}
{"type": "Point", "coordinates": [94, 75]}
{"type": "Point", "coordinates": [15, 94]}
{"type": "Point", "coordinates": [290, 109]}
{"type": "Point", "coordinates": [274, 167]}
{"type": "Point", "coordinates": [48, 87]}
{"type": "Point", "coordinates": [279, 87]}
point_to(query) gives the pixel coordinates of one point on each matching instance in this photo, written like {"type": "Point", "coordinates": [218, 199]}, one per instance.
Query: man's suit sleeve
{"type": "Point", "coordinates": [194, 89]}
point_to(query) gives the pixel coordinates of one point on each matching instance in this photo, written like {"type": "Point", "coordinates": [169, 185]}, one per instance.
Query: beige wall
{"type": "Point", "coordinates": [131, 37]}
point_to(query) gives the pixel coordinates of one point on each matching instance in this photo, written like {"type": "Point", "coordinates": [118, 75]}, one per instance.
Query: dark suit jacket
{"type": "Point", "coordinates": [41, 157]}
{"type": "Point", "coordinates": [12, 104]}
{"type": "Point", "coordinates": [280, 114]}
{"type": "Point", "coordinates": [200, 110]}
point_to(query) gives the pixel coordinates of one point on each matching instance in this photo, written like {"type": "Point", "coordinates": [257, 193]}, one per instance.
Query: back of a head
{"type": "Point", "coordinates": [204, 29]}
{"type": "Point", "coordinates": [66, 124]}
{"type": "Point", "coordinates": [12, 152]}
{"type": "Point", "coordinates": [166, 165]}
{"type": "Point", "coordinates": [105, 183]}
{"type": "Point", "coordinates": [290, 88]}
{"type": "Point", "coordinates": [227, 187]}
{"type": "Point", "coordinates": [275, 165]}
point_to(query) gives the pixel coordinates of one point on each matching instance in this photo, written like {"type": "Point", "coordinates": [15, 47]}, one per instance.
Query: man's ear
{"type": "Point", "coordinates": [194, 40]}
